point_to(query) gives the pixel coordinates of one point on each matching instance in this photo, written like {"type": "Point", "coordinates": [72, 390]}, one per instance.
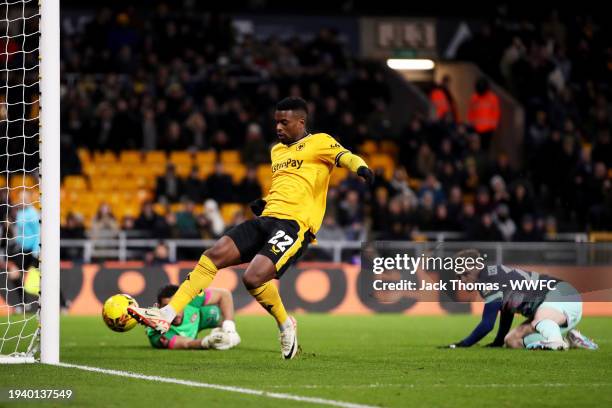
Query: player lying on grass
{"type": "Point", "coordinates": [551, 313]}
{"type": "Point", "coordinates": [287, 220]}
{"type": "Point", "coordinates": [211, 309]}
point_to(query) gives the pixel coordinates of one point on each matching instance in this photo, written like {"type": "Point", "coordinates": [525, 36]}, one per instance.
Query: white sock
{"type": "Point", "coordinates": [287, 324]}
{"type": "Point", "coordinates": [168, 313]}
{"type": "Point", "coordinates": [228, 326]}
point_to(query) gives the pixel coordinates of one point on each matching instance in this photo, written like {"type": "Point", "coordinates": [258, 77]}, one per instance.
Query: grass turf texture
{"type": "Point", "coordinates": [386, 360]}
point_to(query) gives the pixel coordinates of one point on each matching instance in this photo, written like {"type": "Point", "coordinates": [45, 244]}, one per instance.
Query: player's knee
{"type": "Point", "coordinates": [252, 281]}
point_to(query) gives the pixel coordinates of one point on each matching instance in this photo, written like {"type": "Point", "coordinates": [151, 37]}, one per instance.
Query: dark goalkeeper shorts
{"type": "Point", "coordinates": [283, 241]}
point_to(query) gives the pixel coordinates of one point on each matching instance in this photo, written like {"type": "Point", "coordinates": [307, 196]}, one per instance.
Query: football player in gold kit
{"type": "Point", "coordinates": [287, 220]}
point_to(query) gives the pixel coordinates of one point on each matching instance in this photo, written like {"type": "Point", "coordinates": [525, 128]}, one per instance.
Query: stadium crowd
{"type": "Point", "coordinates": [180, 81]}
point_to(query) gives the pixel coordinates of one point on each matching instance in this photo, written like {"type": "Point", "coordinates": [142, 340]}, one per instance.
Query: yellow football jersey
{"type": "Point", "coordinates": [300, 178]}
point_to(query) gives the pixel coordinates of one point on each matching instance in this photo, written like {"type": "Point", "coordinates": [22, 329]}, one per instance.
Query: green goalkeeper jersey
{"type": "Point", "coordinates": [197, 316]}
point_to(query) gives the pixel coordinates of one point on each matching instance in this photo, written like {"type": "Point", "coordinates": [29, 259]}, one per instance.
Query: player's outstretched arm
{"type": "Point", "coordinates": [487, 323]}
{"type": "Point", "coordinates": [183, 343]}
{"type": "Point", "coordinates": [357, 165]}
{"type": "Point", "coordinates": [223, 298]}
{"type": "Point", "coordinates": [505, 322]}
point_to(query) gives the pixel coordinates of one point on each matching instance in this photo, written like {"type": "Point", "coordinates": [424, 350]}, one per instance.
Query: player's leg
{"type": "Point", "coordinates": [560, 312]}
{"type": "Point", "coordinates": [285, 243]}
{"type": "Point", "coordinates": [258, 281]}
{"type": "Point", "coordinates": [239, 245]}
{"type": "Point", "coordinates": [515, 338]}
{"type": "Point", "coordinates": [223, 253]}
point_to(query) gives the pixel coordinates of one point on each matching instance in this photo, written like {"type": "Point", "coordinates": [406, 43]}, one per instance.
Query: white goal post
{"type": "Point", "coordinates": [30, 181]}
{"type": "Point", "coordinates": [50, 180]}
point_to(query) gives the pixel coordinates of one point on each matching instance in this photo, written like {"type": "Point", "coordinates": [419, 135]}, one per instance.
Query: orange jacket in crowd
{"type": "Point", "coordinates": [442, 104]}
{"type": "Point", "coordinates": [483, 112]}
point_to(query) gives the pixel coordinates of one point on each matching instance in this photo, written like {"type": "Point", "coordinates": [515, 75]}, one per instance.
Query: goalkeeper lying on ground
{"type": "Point", "coordinates": [205, 311]}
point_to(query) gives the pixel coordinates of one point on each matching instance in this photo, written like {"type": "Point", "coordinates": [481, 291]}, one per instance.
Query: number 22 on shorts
{"type": "Point", "coordinates": [283, 244]}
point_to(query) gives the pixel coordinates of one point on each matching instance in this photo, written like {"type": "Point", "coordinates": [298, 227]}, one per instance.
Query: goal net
{"type": "Point", "coordinates": [20, 180]}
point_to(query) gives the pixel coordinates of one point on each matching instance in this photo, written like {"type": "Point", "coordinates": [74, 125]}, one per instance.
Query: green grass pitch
{"type": "Point", "coordinates": [382, 360]}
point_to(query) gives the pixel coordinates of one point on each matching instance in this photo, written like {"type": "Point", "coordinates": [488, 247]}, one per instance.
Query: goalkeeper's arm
{"type": "Point", "coordinates": [357, 165]}
{"type": "Point", "coordinates": [182, 343]}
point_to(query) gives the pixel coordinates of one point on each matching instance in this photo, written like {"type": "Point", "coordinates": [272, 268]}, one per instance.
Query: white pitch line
{"type": "Point", "coordinates": [377, 385]}
{"type": "Point", "coordinates": [240, 390]}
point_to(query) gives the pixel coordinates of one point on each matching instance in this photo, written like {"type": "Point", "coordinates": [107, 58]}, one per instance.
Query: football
{"type": "Point", "coordinates": [114, 313]}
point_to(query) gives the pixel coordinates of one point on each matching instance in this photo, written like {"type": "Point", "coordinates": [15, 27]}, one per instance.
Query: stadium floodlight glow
{"type": "Point", "coordinates": [411, 64]}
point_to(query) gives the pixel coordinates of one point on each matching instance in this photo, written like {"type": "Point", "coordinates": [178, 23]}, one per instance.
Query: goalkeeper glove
{"type": "Point", "coordinates": [258, 206]}
{"type": "Point", "coordinates": [217, 339]}
{"type": "Point", "coordinates": [366, 174]}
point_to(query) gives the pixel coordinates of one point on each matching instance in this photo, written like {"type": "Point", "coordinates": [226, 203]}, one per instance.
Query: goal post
{"type": "Point", "coordinates": [29, 181]}
{"type": "Point", "coordinates": [50, 180]}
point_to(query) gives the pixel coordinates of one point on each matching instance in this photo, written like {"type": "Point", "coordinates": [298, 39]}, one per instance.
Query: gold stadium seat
{"type": "Point", "coordinates": [160, 209]}
{"type": "Point", "coordinates": [155, 156]}
{"type": "Point", "coordinates": [383, 161]}
{"type": "Point", "coordinates": [84, 155]}
{"type": "Point", "coordinates": [237, 171]}
{"type": "Point", "coordinates": [130, 157]}
{"type": "Point", "coordinates": [182, 169]}
{"type": "Point", "coordinates": [117, 171]}
{"type": "Point", "coordinates": [389, 147]}
{"type": "Point", "coordinates": [74, 182]}
{"type": "Point", "coordinates": [230, 156]}
{"type": "Point", "coordinates": [205, 170]}
{"type": "Point", "coordinates": [22, 180]}
{"type": "Point", "coordinates": [368, 147]}
{"type": "Point", "coordinates": [338, 175]}
{"type": "Point", "coordinates": [228, 211]}
{"type": "Point", "coordinates": [181, 157]}
{"type": "Point", "coordinates": [206, 157]}
{"type": "Point", "coordinates": [176, 207]}
{"type": "Point", "coordinates": [105, 157]}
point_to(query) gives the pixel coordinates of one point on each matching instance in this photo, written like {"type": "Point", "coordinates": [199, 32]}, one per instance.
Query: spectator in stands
{"type": "Point", "coordinates": [149, 223]}
{"type": "Point", "coordinates": [211, 212]}
{"type": "Point", "coordinates": [433, 186]}
{"type": "Point", "coordinates": [426, 160]}
{"type": "Point", "coordinates": [193, 187]}
{"type": "Point", "coordinates": [380, 210]}
{"type": "Point", "coordinates": [443, 101]}
{"type": "Point", "coordinates": [441, 221]}
{"type": "Point", "coordinates": [351, 215]}
{"type": "Point", "coordinates": [73, 227]}
{"type": "Point", "coordinates": [498, 187]}
{"type": "Point", "coordinates": [527, 231]}
{"type": "Point", "coordinates": [254, 150]}
{"type": "Point", "coordinates": [520, 202]}
{"type": "Point", "coordinates": [425, 213]}
{"type": "Point", "coordinates": [397, 225]}
{"type": "Point", "coordinates": [104, 224]}
{"type": "Point", "coordinates": [186, 222]}
{"type": "Point", "coordinates": [249, 188]}
{"type": "Point", "coordinates": [455, 204]}
{"type": "Point", "coordinates": [484, 112]}
{"type": "Point", "coordinates": [127, 225]}
{"type": "Point", "coordinates": [503, 222]}
{"type": "Point", "coordinates": [169, 186]}
{"type": "Point", "coordinates": [219, 185]}
{"type": "Point", "coordinates": [196, 131]}
{"type": "Point", "coordinates": [159, 256]}
{"type": "Point", "coordinates": [486, 230]}
{"type": "Point", "coordinates": [399, 185]}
